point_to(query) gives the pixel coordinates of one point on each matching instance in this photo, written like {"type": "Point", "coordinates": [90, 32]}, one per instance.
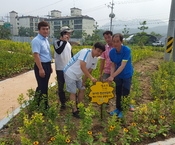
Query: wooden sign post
{"type": "Point", "coordinates": [101, 93]}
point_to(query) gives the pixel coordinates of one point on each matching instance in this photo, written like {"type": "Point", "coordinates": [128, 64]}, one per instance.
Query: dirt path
{"type": "Point", "coordinates": [145, 68]}
{"type": "Point", "coordinates": [11, 88]}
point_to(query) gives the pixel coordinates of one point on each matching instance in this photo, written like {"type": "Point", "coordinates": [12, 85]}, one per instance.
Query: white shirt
{"type": "Point", "coordinates": [62, 59]}
{"type": "Point", "coordinates": [73, 70]}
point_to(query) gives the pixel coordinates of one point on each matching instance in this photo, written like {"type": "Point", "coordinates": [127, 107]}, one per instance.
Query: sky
{"type": "Point", "coordinates": [154, 11]}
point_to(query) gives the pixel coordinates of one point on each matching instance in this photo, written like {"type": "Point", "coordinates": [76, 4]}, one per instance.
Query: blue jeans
{"type": "Point", "coordinates": [122, 90]}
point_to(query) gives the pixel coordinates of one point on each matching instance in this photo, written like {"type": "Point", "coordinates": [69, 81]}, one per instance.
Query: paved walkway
{"type": "Point", "coordinates": [11, 88]}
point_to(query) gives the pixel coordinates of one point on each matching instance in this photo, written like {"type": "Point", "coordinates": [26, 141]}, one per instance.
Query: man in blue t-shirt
{"type": "Point", "coordinates": [121, 70]}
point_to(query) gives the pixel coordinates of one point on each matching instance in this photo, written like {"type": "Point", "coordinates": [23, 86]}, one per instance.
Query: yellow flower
{"type": "Point", "coordinates": [52, 139]}
{"type": "Point", "coordinates": [162, 117]}
{"type": "Point", "coordinates": [133, 124]}
{"type": "Point", "coordinates": [99, 133]}
{"type": "Point", "coordinates": [112, 126]}
{"type": "Point", "coordinates": [111, 129]}
{"type": "Point", "coordinates": [153, 121]}
{"type": "Point", "coordinates": [68, 140]}
{"type": "Point", "coordinates": [89, 132]}
{"type": "Point", "coordinates": [35, 143]}
{"type": "Point", "coordinates": [125, 130]}
{"type": "Point", "coordinates": [49, 142]}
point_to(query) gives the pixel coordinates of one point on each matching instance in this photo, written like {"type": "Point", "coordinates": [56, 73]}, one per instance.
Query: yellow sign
{"type": "Point", "coordinates": [101, 93]}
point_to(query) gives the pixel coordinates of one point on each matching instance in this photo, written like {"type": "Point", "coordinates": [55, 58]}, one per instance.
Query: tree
{"type": "Point", "coordinates": [77, 34]}
{"type": "Point", "coordinates": [28, 32]}
{"type": "Point", "coordinates": [143, 26]}
{"type": "Point", "coordinates": [5, 32]}
{"type": "Point", "coordinates": [125, 32]}
{"type": "Point", "coordinates": [156, 35]}
{"type": "Point", "coordinates": [97, 35]}
{"type": "Point", "coordinates": [142, 37]}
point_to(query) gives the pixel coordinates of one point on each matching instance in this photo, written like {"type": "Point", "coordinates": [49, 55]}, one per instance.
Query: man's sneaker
{"type": "Point", "coordinates": [76, 114]}
{"type": "Point", "coordinates": [120, 114]}
{"type": "Point", "coordinates": [115, 112]}
{"type": "Point", "coordinates": [131, 108]}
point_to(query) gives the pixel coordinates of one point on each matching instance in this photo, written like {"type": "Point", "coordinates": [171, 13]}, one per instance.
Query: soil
{"type": "Point", "coordinates": [10, 88]}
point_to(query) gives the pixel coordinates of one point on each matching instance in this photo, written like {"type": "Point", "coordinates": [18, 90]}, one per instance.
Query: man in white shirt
{"type": "Point", "coordinates": [81, 64]}
{"type": "Point", "coordinates": [63, 53]}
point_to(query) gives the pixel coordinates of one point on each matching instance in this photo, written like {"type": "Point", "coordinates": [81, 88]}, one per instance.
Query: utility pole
{"type": "Point", "coordinates": [111, 15]}
{"type": "Point", "coordinates": [170, 34]}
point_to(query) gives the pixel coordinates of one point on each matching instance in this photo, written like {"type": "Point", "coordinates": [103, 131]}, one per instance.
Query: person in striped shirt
{"type": "Point", "coordinates": [81, 64]}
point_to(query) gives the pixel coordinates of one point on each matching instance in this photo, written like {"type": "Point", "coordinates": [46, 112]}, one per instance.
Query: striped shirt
{"type": "Point", "coordinates": [73, 70]}
{"type": "Point", "coordinates": [105, 55]}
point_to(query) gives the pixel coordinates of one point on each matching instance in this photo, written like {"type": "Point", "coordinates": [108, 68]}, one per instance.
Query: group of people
{"type": "Point", "coordinates": [73, 70]}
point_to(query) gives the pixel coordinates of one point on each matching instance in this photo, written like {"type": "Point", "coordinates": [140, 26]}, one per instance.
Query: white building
{"type": "Point", "coordinates": [14, 22]}
{"type": "Point", "coordinates": [30, 22]}
{"type": "Point", "coordinates": [75, 21]}
{"type": "Point", "coordinates": [1, 22]}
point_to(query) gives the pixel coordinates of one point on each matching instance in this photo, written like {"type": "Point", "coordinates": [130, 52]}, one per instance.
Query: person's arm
{"type": "Point", "coordinates": [60, 44]}
{"type": "Point", "coordinates": [102, 63]}
{"type": "Point", "coordinates": [85, 77]}
{"type": "Point", "coordinates": [86, 72]}
{"type": "Point", "coordinates": [39, 65]}
{"type": "Point", "coordinates": [118, 71]}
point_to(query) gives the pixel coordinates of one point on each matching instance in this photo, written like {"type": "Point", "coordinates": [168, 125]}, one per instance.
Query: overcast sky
{"type": "Point", "coordinates": [98, 9]}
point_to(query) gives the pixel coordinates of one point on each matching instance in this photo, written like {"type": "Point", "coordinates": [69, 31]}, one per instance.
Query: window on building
{"type": "Point", "coordinates": [77, 21]}
{"type": "Point", "coordinates": [65, 22]}
{"type": "Point", "coordinates": [57, 27]}
{"type": "Point", "coordinates": [78, 27]}
{"type": "Point", "coordinates": [57, 23]}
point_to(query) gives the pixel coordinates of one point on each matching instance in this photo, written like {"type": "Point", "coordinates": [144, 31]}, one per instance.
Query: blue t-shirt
{"type": "Point", "coordinates": [41, 46]}
{"type": "Point", "coordinates": [118, 57]}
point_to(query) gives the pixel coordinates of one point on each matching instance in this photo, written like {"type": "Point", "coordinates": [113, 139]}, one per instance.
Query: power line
{"type": "Point", "coordinates": [43, 7]}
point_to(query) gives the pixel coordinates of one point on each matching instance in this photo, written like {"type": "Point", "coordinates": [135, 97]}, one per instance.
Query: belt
{"type": "Point", "coordinates": [46, 62]}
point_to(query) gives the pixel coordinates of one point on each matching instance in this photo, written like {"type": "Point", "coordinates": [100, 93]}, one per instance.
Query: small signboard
{"type": "Point", "coordinates": [101, 93]}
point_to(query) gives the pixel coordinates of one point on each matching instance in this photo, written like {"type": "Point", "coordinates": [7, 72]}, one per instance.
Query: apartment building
{"type": "Point", "coordinates": [1, 22]}
{"type": "Point", "coordinates": [23, 21]}
{"type": "Point", "coordinates": [76, 21]}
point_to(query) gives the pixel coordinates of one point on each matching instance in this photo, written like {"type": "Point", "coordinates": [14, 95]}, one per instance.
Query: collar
{"type": "Point", "coordinates": [121, 50]}
{"type": "Point", "coordinates": [107, 45]}
{"type": "Point", "coordinates": [41, 37]}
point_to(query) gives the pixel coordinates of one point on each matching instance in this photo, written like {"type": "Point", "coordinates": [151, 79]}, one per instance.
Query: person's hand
{"type": "Point", "coordinates": [42, 73]}
{"type": "Point", "coordinates": [93, 80]}
{"type": "Point", "coordinates": [110, 79]}
{"type": "Point", "coordinates": [65, 37]}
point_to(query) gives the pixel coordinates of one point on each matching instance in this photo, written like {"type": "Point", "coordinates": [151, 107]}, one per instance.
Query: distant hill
{"type": "Point", "coordinates": [156, 26]}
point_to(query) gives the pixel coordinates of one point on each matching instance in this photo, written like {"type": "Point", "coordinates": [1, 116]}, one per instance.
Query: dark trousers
{"type": "Point", "coordinates": [122, 90]}
{"type": "Point", "coordinates": [61, 82]}
{"type": "Point", "coordinates": [42, 88]}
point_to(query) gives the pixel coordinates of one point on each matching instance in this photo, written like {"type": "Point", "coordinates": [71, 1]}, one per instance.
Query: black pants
{"type": "Point", "coordinates": [61, 82]}
{"type": "Point", "coordinates": [42, 88]}
{"type": "Point", "coordinates": [122, 90]}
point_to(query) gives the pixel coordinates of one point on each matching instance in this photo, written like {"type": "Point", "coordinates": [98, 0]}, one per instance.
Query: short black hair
{"type": "Point", "coordinates": [43, 24]}
{"type": "Point", "coordinates": [99, 45]}
{"type": "Point", "coordinates": [107, 33]}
